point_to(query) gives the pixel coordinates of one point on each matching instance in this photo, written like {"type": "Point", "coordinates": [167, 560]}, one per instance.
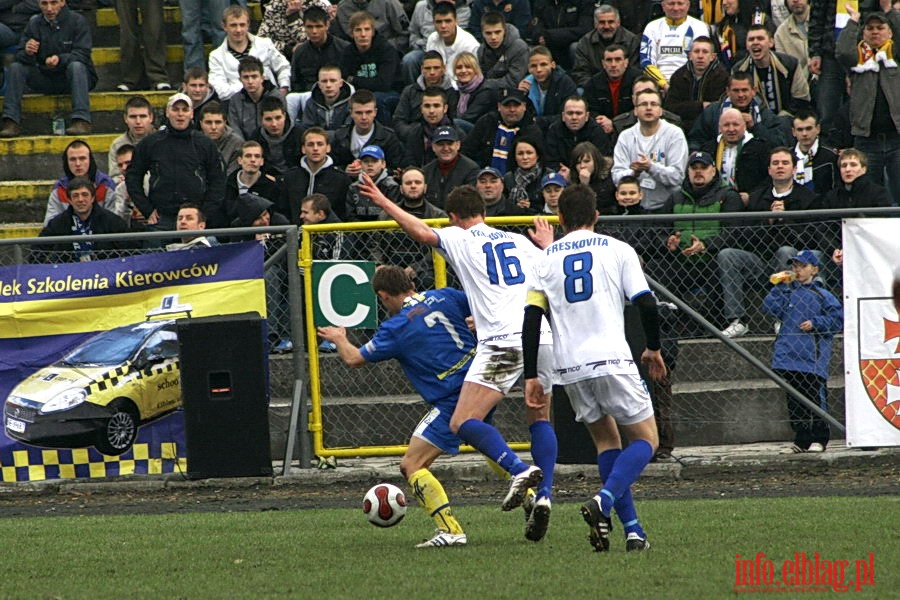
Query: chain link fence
{"type": "Point", "coordinates": [719, 396]}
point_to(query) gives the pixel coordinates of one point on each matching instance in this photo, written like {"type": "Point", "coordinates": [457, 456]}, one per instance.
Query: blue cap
{"type": "Point", "coordinates": [805, 256]}
{"type": "Point", "coordinates": [373, 151]}
{"type": "Point", "coordinates": [553, 179]}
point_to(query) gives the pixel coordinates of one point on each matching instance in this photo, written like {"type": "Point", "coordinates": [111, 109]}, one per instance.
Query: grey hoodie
{"type": "Point", "coordinates": [507, 65]}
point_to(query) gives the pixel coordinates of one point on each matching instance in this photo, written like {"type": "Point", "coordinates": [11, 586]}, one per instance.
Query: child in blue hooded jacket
{"type": "Point", "coordinates": [810, 317]}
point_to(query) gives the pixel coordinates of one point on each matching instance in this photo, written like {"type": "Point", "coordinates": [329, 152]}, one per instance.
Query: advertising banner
{"type": "Point", "coordinates": [89, 369]}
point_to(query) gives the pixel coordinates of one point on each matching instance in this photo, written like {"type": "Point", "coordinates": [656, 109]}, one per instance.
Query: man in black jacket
{"type": "Point", "coordinates": [609, 92]}
{"type": "Point", "coordinates": [781, 80]}
{"type": "Point", "coordinates": [250, 177]}
{"type": "Point", "coordinates": [574, 126]}
{"type": "Point", "coordinates": [82, 217]}
{"type": "Point", "coordinates": [184, 166]}
{"type": "Point", "coordinates": [742, 158]}
{"type": "Point", "coordinates": [698, 83]}
{"type": "Point", "coordinates": [450, 169]}
{"type": "Point", "coordinates": [318, 50]}
{"type": "Point", "coordinates": [493, 134]}
{"type": "Point", "coordinates": [317, 173]}
{"type": "Point", "coordinates": [754, 252]}
{"type": "Point", "coordinates": [364, 131]}
{"type": "Point", "coordinates": [817, 164]}
{"type": "Point", "coordinates": [54, 58]}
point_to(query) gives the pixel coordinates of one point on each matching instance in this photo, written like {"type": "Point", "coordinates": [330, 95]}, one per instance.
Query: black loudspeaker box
{"type": "Point", "coordinates": [225, 395]}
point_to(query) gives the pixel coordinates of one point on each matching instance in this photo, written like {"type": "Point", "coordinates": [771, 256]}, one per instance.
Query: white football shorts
{"type": "Point", "coordinates": [624, 396]}
{"type": "Point", "coordinates": [500, 368]}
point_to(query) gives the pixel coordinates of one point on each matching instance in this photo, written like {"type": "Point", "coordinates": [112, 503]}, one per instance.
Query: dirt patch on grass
{"type": "Point", "coordinates": [872, 479]}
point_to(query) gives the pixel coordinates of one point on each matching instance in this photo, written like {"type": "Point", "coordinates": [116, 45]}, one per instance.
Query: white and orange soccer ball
{"type": "Point", "coordinates": [384, 505]}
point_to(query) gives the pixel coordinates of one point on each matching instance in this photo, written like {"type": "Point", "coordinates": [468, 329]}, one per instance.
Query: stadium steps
{"type": "Point", "coordinates": [106, 43]}
{"type": "Point", "coordinates": [720, 400]}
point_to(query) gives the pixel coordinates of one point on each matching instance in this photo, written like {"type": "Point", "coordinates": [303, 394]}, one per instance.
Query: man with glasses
{"type": "Point", "coordinates": [654, 151]}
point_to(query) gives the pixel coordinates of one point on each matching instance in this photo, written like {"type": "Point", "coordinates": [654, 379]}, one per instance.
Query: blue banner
{"type": "Point", "coordinates": [89, 371]}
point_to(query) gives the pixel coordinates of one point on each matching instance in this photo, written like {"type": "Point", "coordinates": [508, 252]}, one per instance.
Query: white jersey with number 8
{"type": "Point", "coordinates": [586, 278]}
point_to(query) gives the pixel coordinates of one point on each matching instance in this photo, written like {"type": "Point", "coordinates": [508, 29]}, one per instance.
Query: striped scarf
{"type": "Point", "coordinates": [502, 141]}
{"type": "Point", "coordinates": [869, 57]}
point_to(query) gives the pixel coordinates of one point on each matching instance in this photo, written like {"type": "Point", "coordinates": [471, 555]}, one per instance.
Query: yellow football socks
{"type": "Point", "coordinates": [430, 494]}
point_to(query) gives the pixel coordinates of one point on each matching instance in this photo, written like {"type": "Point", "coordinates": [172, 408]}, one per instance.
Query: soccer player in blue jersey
{"type": "Point", "coordinates": [494, 267]}
{"type": "Point", "coordinates": [427, 333]}
{"type": "Point", "coordinates": [582, 283]}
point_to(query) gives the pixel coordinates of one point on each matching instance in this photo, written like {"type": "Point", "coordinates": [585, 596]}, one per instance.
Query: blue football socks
{"type": "Point", "coordinates": [624, 504]}
{"type": "Point", "coordinates": [543, 453]}
{"type": "Point", "coordinates": [487, 440]}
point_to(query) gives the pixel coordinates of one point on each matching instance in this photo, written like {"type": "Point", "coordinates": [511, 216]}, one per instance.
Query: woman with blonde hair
{"type": "Point", "coordinates": [474, 98]}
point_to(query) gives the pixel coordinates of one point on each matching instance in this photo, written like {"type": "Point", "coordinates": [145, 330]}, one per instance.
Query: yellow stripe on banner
{"type": "Point", "coordinates": [126, 467]}
{"type": "Point", "coordinates": [37, 473]}
{"type": "Point", "coordinates": [98, 313]}
{"type": "Point", "coordinates": [67, 471]}
{"type": "Point", "coordinates": [80, 456]}
{"type": "Point", "coordinates": [154, 466]}
{"type": "Point", "coordinates": [98, 469]}
{"type": "Point", "coordinates": [9, 473]}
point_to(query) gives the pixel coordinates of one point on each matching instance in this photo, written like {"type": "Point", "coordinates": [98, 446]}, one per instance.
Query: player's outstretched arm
{"type": "Point", "coordinates": [348, 352]}
{"type": "Point", "coordinates": [413, 226]}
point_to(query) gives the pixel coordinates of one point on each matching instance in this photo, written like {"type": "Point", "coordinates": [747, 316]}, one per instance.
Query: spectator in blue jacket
{"type": "Point", "coordinates": [810, 316]}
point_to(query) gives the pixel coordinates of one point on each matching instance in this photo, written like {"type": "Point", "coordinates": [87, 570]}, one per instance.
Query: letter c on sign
{"type": "Point", "coordinates": [325, 286]}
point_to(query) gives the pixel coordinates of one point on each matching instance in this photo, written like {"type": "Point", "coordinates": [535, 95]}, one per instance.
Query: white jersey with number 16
{"type": "Point", "coordinates": [494, 267]}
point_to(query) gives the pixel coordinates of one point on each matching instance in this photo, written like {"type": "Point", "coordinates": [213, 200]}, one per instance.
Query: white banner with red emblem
{"type": "Point", "coordinates": [871, 332]}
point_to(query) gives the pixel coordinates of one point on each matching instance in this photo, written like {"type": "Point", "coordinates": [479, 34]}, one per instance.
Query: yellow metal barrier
{"type": "Point", "coordinates": [316, 420]}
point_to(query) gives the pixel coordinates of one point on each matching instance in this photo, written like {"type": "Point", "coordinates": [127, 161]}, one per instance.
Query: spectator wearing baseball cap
{"type": "Point", "coordinates": [373, 164]}
{"type": "Point", "coordinates": [449, 169]}
{"type": "Point", "coordinates": [490, 140]}
{"type": "Point", "coordinates": [489, 184]}
{"type": "Point", "coordinates": [552, 186]}
{"type": "Point", "coordinates": [187, 167]}
{"type": "Point", "coordinates": [686, 259]}
{"type": "Point", "coordinates": [810, 316]}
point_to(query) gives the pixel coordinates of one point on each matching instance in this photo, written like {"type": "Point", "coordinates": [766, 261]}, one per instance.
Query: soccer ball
{"type": "Point", "coordinates": [384, 505]}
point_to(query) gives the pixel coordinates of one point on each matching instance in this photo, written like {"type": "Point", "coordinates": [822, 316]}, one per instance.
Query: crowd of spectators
{"type": "Point", "coordinates": [693, 107]}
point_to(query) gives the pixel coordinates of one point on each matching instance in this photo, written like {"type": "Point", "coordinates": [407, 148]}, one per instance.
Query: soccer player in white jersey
{"type": "Point", "coordinates": [582, 283]}
{"type": "Point", "coordinates": [494, 267]}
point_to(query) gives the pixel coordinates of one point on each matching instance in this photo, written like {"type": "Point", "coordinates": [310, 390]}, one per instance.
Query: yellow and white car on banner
{"type": "Point", "coordinates": [102, 391]}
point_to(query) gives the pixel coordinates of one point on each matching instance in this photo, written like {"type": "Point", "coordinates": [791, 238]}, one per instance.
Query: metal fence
{"type": "Point", "coordinates": [721, 393]}
{"type": "Point", "coordinates": [724, 391]}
